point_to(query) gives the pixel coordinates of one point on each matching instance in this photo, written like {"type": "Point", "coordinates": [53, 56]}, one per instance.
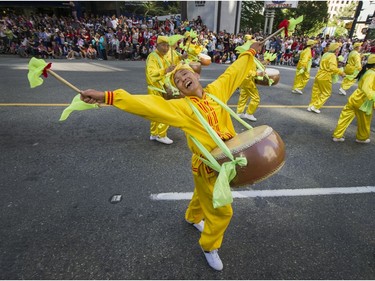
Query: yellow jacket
{"type": "Point", "coordinates": [156, 66]}
{"type": "Point", "coordinates": [328, 67]}
{"type": "Point", "coordinates": [354, 62]}
{"type": "Point", "coordinates": [365, 90]}
{"type": "Point", "coordinates": [177, 112]}
{"type": "Point", "coordinates": [176, 57]}
{"type": "Point", "coordinates": [304, 58]}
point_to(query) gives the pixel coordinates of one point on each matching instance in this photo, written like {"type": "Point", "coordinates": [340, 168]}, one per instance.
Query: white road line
{"type": "Point", "coordinates": [273, 193]}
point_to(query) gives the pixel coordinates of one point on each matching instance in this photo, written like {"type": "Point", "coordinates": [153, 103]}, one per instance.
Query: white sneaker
{"type": "Point", "coordinates": [338, 139]}
{"type": "Point", "coordinates": [315, 110]}
{"type": "Point", "coordinates": [198, 226]}
{"type": "Point", "coordinates": [342, 92]}
{"type": "Point", "coordinates": [309, 108]}
{"type": "Point", "coordinates": [213, 259]}
{"type": "Point", "coordinates": [241, 115]}
{"type": "Point", "coordinates": [299, 91]}
{"type": "Point", "coordinates": [363, 141]}
{"type": "Point", "coordinates": [249, 117]}
{"type": "Point", "coordinates": [153, 137]}
{"type": "Point", "coordinates": [164, 140]}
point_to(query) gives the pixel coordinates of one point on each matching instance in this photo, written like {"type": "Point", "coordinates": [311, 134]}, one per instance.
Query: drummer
{"type": "Point", "coordinates": [200, 213]}
{"type": "Point", "coordinates": [248, 91]}
{"type": "Point", "coordinates": [303, 68]}
{"type": "Point", "coordinates": [322, 87]}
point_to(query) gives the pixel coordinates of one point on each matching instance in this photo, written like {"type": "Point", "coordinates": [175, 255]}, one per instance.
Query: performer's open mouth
{"type": "Point", "coordinates": [188, 84]}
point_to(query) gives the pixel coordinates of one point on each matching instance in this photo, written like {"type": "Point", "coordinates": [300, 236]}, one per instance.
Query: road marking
{"type": "Point", "coordinates": [273, 193]}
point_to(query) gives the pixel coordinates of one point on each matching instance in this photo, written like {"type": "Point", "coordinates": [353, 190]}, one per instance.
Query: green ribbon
{"type": "Point", "coordinates": [222, 194]}
{"type": "Point", "coordinates": [263, 69]}
{"type": "Point", "coordinates": [367, 107]}
{"type": "Point", "coordinates": [76, 104]}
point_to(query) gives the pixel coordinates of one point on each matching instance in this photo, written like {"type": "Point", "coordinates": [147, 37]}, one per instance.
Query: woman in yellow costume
{"type": "Point", "coordinates": [352, 68]}
{"type": "Point", "coordinates": [322, 87]}
{"type": "Point", "coordinates": [157, 66]}
{"type": "Point", "coordinates": [360, 104]}
{"type": "Point", "coordinates": [303, 68]}
{"type": "Point", "coordinates": [248, 91]}
{"type": "Point", "coordinates": [211, 221]}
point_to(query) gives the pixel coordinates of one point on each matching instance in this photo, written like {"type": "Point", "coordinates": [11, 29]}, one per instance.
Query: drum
{"type": "Point", "coordinates": [263, 149]}
{"type": "Point", "coordinates": [196, 66]}
{"type": "Point", "coordinates": [273, 74]}
{"type": "Point", "coordinates": [204, 59]}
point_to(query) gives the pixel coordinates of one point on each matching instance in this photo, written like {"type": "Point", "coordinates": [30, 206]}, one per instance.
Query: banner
{"type": "Point", "coordinates": [280, 4]}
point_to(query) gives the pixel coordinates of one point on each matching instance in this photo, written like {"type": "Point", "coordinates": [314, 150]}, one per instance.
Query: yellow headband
{"type": "Point", "coordinates": [310, 42]}
{"type": "Point", "coordinates": [334, 46]}
{"type": "Point", "coordinates": [248, 37]}
{"type": "Point", "coordinates": [169, 77]}
{"type": "Point", "coordinates": [162, 39]}
{"type": "Point", "coordinates": [371, 59]}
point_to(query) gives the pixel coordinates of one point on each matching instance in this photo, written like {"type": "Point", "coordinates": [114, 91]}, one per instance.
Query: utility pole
{"type": "Point", "coordinates": [356, 15]}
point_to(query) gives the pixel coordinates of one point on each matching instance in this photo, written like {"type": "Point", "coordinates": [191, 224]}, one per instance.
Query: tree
{"type": "Point", "coordinates": [252, 18]}
{"type": "Point", "coordinates": [315, 15]}
{"type": "Point", "coordinates": [153, 8]}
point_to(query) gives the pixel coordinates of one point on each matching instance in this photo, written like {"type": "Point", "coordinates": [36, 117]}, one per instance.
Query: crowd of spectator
{"type": "Point", "coordinates": [130, 38]}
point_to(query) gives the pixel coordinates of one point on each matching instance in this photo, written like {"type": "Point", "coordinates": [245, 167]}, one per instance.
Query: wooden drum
{"type": "Point", "coordinates": [204, 59]}
{"type": "Point", "coordinates": [263, 149]}
{"type": "Point", "coordinates": [273, 74]}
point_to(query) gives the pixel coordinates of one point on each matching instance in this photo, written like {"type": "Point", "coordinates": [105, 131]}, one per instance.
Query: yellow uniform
{"type": "Point", "coordinates": [178, 113]}
{"type": "Point", "coordinates": [354, 64]}
{"type": "Point", "coordinates": [156, 66]}
{"type": "Point", "coordinates": [177, 57]}
{"type": "Point", "coordinates": [248, 90]}
{"type": "Point", "coordinates": [322, 87]}
{"type": "Point", "coordinates": [365, 91]}
{"type": "Point", "coordinates": [303, 69]}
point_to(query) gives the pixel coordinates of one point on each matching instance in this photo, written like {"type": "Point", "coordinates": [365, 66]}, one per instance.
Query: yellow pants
{"type": "Point", "coordinates": [158, 129]}
{"type": "Point", "coordinates": [321, 91]}
{"type": "Point", "coordinates": [346, 117]}
{"type": "Point", "coordinates": [300, 80]}
{"type": "Point", "coordinates": [347, 83]}
{"type": "Point", "coordinates": [247, 93]}
{"type": "Point", "coordinates": [200, 207]}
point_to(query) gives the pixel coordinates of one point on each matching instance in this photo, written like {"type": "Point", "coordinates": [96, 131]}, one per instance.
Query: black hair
{"type": "Point", "coordinates": [364, 69]}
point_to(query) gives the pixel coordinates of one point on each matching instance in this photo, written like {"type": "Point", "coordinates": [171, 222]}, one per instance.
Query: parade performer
{"type": "Point", "coordinates": [360, 104]}
{"type": "Point", "coordinates": [322, 87]}
{"type": "Point", "coordinates": [180, 113]}
{"type": "Point", "coordinates": [352, 68]}
{"type": "Point", "coordinates": [303, 68]}
{"type": "Point", "coordinates": [248, 91]}
{"type": "Point", "coordinates": [157, 66]}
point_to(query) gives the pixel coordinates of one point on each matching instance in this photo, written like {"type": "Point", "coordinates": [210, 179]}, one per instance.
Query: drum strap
{"type": "Point", "coordinates": [227, 171]}
{"type": "Point", "coordinates": [263, 69]}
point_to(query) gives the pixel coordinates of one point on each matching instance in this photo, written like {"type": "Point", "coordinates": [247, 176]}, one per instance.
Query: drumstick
{"type": "Point", "coordinates": [58, 77]}
{"type": "Point", "coordinates": [272, 35]}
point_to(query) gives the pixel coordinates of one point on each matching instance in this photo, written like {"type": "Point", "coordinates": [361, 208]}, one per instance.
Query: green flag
{"type": "Point", "coordinates": [77, 104]}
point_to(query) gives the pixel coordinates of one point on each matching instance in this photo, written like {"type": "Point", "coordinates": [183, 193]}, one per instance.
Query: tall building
{"type": "Point", "coordinates": [363, 21]}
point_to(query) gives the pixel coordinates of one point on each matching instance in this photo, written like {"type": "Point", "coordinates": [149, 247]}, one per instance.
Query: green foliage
{"type": "Point", "coordinates": [314, 16]}
{"type": "Point", "coordinates": [314, 12]}
{"type": "Point", "coordinates": [252, 18]}
{"type": "Point", "coordinates": [153, 8]}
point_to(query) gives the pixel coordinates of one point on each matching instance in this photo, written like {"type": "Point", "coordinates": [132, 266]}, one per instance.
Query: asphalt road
{"type": "Point", "coordinates": [57, 180]}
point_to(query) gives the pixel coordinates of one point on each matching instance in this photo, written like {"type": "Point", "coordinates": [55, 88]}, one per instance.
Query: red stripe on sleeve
{"type": "Point", "coordinates": [110, 97]}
